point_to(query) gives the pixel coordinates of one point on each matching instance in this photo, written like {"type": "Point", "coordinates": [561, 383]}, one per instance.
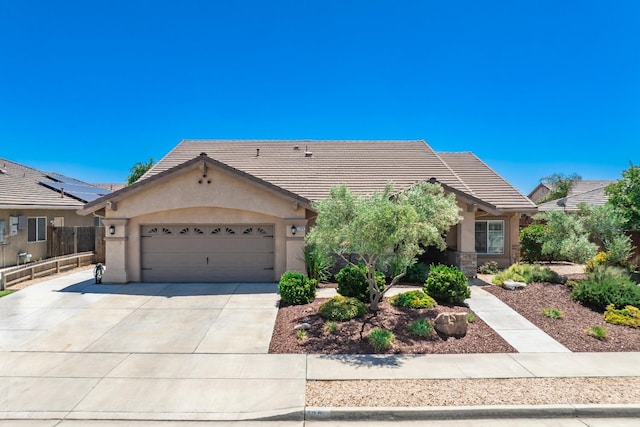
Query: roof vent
{"type": "Point", "coordinates": [257, 152]}
{"type": "Point", "coordinates": [296, 147]}
{"type": "Point", "coordinates": [203, 154]}
{"type": "Point", "coordinates": [307, 153]}
{"type": "Point", "coordinates": [3, 172]}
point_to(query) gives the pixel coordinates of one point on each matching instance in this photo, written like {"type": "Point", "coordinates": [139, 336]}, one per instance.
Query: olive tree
{"type": "Point", "coordinates": [384, 228]}
{"type": "Point", "coordinates": [625, 195]}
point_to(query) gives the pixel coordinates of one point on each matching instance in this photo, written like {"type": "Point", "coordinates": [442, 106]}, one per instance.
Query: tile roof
{"type": "Point", "coordinates": [365, 166]}
{"type": "Point", "coordinates": [20, 188]}
{"type": "Point", "coordinates": [590, 192]}
{"type": "Point", "coordinates": [484, 183]}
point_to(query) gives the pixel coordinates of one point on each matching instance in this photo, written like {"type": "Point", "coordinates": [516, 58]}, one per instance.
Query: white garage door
{"type": "Point", "coordinates": [207, 253]}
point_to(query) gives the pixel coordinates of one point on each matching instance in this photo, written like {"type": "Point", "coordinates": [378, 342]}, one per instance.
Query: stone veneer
{"type": "Point", "coordinates": [467, 262]}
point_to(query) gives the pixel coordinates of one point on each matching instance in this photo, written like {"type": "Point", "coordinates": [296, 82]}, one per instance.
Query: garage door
{"type": "Point", "coordinates": [207, 253]}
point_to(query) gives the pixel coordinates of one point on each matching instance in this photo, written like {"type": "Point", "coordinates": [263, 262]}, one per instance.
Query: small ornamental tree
{"type": "Point", "coordinates": [383, 229]}
{"type": "Point", "coordinates": [625, 195]}
{"type": "Point", "coordinates": [566, 237]}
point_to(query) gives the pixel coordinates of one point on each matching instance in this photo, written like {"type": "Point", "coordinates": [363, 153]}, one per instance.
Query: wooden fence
{"type": "Point", "coordinates": [635, 238]}
{"type": "Point", "coordinates": [72, 240]}
{"type": "Point", "coordinates": [43, 268]}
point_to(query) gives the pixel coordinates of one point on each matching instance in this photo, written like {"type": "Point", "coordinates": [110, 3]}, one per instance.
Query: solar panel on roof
{"type": "Point", "coordinates": [77, 189]}
{"type": "Point", "coordinates": [61, 178]}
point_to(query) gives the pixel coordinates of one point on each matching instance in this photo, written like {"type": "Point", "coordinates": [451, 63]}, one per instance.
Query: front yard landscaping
{"type": "Point", "coordinates": [350, 337]}
{"type": "Point", "coordinates": [547, 305]}
{"type": "Point", "coordinates": [571, 329]}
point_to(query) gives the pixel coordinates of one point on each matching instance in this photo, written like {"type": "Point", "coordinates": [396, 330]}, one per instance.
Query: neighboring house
{"type": "Point", "coordinates": [30, 202]}
{"type": "Point", "coordinates": [238, 210]}
{"type": "Point", "coordinates": [589, 192]}
{"type": "Point", "coordinates": [539, 192]}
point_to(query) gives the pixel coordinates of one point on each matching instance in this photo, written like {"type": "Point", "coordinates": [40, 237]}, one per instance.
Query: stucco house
{"type": "Point", "coordinates": [238, 210]}
{"type": "Point", "coordinates": [31, 201]}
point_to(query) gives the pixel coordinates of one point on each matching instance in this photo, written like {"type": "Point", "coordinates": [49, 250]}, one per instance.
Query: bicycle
{"type": "Point", "coordinates": [98, 271]}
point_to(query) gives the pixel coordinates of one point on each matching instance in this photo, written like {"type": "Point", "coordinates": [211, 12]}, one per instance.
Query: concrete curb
{"type": "Point", "coordinates": [470, 412]}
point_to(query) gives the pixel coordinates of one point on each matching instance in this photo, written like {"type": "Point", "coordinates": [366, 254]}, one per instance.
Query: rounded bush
{"type": "Point", "coordinates": [296, 288]}
{"type": "Point", "coordinates": [628, 316]}
{"type": "Point", "coordinates": [353, 283]}
{"type": "Point", "coordinates": [381, 339]}
{"type": "Point", "coordinates": [421, 328]}
{"type": "Point", "coordinates": [599, 290]}
{"type": "Point", "coordinates": [447, 284]}
{"type": "Point", "coordinates": [341, 309]}
{"type": "Point", "coordinates": [413, 299]}
{"type": "Point", "coordinates": [531, 239]}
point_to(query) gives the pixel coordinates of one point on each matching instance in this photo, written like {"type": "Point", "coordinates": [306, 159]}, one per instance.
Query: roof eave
{"type": "Point", "coordinates": [467, 198]}
{"type": "Point", "coordinates": [198, 161]}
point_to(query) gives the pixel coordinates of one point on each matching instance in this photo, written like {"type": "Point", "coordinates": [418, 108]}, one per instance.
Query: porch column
{"type": "Point", "coordinates": [466, 257]}
{"type": "Point", "coordinates": [514, 237]}
{"type": "Point", "coordinates": [116, 249]}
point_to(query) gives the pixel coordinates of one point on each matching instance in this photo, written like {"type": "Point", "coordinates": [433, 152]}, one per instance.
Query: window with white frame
{"type": "Point", "coordinates": [37, 229]}
{"type": "Point", "coordinates": [490, 237]}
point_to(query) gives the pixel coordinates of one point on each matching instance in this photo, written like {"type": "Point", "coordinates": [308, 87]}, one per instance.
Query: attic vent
{"type": "Point", "coordinates": [203, 154]}
{"type": "Point", "coordinates": [3, 172]}
{"type": "Point", "coordinates": [296, 147]}
{"type": "Point", "coordinates": [307, 153]}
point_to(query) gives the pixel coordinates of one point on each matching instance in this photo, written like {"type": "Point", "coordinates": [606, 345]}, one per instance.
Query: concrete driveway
{"type": "Point", "coordinates": [70, 349]}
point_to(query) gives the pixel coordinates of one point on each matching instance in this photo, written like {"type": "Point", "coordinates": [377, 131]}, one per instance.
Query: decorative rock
{"type": "Point", "coordinates": [303, 326]}
{"type": "Point", "coordinates": [451, 324]}
{"type": "Point", "coordinates": [513, 285]}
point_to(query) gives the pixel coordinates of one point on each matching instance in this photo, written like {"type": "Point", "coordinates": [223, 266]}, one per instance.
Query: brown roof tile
{"type": "Point", "coordinates": [484, 183]}
{"type": "Point", "coordinates": [310, 168]}
{"type": "Point", "coordinates": [20, 187]}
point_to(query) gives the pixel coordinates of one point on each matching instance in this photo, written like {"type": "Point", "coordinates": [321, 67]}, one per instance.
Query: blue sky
{"type": "Point", "coordinates": [89, 88]}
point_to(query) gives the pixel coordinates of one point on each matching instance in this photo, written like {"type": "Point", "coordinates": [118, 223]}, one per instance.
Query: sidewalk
{"type": "Point", "coordinates": [47, 375]}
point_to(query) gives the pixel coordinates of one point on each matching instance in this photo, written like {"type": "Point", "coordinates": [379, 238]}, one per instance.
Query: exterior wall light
{"type": "Point", "coordinates": [293, 230]}
{"type": "Point", "coordinates": [112, 229]}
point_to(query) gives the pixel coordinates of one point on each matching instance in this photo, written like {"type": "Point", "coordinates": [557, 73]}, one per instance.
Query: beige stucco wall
{"type": "Point", "coordinates": [18, 243]}
{"type": "Point", "coordinates": [188, 197]}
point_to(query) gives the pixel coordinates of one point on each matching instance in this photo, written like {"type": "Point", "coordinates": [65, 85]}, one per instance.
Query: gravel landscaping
{"type": "Point", "coordinates": [474, 392]}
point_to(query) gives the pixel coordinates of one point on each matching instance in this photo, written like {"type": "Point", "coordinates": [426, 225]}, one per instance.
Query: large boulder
{"type": "Point", "coordinates": [512, 285]}
{"type": "Point", "coordinates": [451, 324]}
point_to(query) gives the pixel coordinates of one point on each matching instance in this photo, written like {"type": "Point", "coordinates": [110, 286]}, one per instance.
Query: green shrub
{"type": "Point", "coordinates": [447, 284]}
{"type": "Point", "coordinates": [342, 308]}
{"type": "Point", "coordinates": [489, 267]}
{"type": "Point", "coordinates": [552, 313]}
{"type": "Point", "coordinates": [331, 327]}
{"type": "Point", "coordinates": [607, 286]}
{"type": "Point", "coordinates": [471, 317]}
{"type": "Point", "coordinates": [600, 259]}
{"type": "Point", "coordinates": [417, 273]}
{"type": "Point", "coordinates": [317, 263]}
{"type": "Point", "coordinates": [413, 299]}
{"type": "Point", "coordinates": [528, 273]}
{"type": "Point", "coordinates": [352, 282]}
{"type": "Point", "coordinates": [301, 334]}
{"type": "Point", "coordinates": [598, 332]}
{"type": "Point", "coordinates": [296, 288]}
{"type": "Point", "coordinates": [531, 240]}
{"type": "Point", "coordinates": [381, 339]}
{"type": "Point", "coordinates": [421, 328]}
{"type": "Point", "coordinates": [628, 316]}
